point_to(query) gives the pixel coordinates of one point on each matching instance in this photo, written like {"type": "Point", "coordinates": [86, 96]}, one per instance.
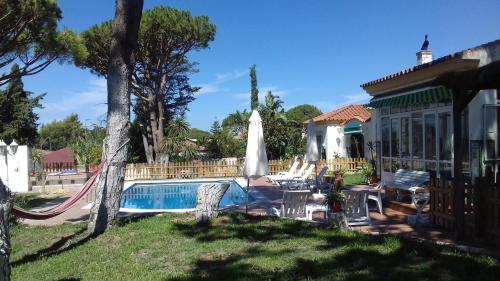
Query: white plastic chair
{"type": "Point", "coordinates": [293, 205]}
{"type": "Point", "coordinates": [375, 194]}
{"type": "Point", "coordinates": [355, 207]}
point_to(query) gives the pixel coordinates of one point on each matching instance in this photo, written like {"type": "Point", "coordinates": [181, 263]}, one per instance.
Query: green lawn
{"type": "Point", "coordinates": [353, 179]}
{"type": "Point", "coordinates": [235, 247]}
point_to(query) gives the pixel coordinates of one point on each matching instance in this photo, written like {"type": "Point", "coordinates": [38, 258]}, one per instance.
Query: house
{"type": "Point", "coordinates": [59, 160]}
{"type": "Point", "coordinates": [440, 115]}
{"type": "Point", "coordinates": [340, 133]}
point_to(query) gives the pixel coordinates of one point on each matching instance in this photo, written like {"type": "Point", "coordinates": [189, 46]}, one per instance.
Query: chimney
{"type": "Point", "coordinates": [425, 55]}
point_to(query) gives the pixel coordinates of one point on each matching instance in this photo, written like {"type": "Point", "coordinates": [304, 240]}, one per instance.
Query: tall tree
{"type": "Point", "coordinates": [302, 113]}
{"type": "Point", "coordinates": [274, 125]}
{"type": "Point", "coordinates": [29, 37]}
{"type": "Point", "coordinates": [160, 77]}
{"type": "Point", "coordinates": [121, 62]}
{"type": "Point", "coordinates": [61, 133]}
{"type": "Point", "coordinates": [254, 92]}
{"type": "Point", "coordinates": [17, 118]}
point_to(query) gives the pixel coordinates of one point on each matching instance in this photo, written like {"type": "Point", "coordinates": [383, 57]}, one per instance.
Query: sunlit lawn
{"type": "Point", "coordinates": [235, 247]}
{"type": "Point", "coordinates": [353, 179]}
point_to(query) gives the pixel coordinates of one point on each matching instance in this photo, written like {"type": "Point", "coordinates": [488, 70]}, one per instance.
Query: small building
{"type": "Point", "coordinates": [341, 133]}
{"type": "Point", "coordinates": [418, 111]}
{"type": "Point", "coordinates": [59, 160]}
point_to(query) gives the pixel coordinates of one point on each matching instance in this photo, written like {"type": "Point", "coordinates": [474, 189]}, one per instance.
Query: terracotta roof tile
{"type": "Point", "coordinates": [345, 114]}
{"type": "Point", "coordinates": [426, 65]}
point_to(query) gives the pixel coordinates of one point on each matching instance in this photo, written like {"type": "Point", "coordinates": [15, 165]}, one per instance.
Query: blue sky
{"type": "Point", "coordinates": [315, 52]}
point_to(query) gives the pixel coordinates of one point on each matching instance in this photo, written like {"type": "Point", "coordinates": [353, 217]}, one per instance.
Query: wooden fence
{"type": "Point", "coordinates": [211, 169]}
{"type": "Point", "coordinates": [58, 167]}
{"type": "Point", "coordinates": [481, 207]}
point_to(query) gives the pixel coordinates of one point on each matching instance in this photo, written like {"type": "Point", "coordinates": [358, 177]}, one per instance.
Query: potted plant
{"type": "Point", "coordinates": [369, 173]}
{"type": "Point", "coordinates": [371, 148]}
{"type": "Point", "coordinates": [334, 201]}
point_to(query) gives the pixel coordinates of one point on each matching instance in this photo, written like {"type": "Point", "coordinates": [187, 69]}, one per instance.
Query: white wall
{"type": "Point", "coordinates": [333, 139]}
{"type": "Point", "coordinates": [476, 113]}
{"type": "Point", "coordinates": [16, 177]}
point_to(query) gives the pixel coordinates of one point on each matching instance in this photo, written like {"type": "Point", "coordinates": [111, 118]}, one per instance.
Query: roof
{"type": "Point", "coordinates": [64, 155]}
{"type": "Point", "coordinates": [345, 114]}
{"type": "Point", "coordinates": [427, 65]}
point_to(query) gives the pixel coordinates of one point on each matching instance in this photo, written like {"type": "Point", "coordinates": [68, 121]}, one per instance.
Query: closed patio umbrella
{"type": "Point", "coordinates": [312, 152]}
{"type": "Point", "coordinates": [255, 159]}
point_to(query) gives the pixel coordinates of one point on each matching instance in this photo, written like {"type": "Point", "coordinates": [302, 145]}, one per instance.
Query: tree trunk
{"type": "Point", "coordinates": [6, 201]}
{"type": "Point", "coordinates": [148, 149]}
{"type": "Point", "coordinates": [123, 44]}
{"type": "Point", "coordinates": [208, 197]}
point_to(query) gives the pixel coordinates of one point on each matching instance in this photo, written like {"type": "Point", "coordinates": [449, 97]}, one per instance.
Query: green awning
{"type": "Point", "coordinates": [353, 128]}
{"type": "Point", "coordinates": [434, 95]}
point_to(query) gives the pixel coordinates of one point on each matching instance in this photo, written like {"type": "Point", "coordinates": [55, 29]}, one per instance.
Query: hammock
{"type": "Point", "coordinates": [61, 208]}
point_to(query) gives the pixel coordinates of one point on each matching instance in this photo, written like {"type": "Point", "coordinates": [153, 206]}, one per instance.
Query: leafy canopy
{"type": "Point", "coordinates": [62, 133]}
{"type": "Point", "coordinates": [29, 37]}
{"type": "Point", "coordinates": [17, 117]}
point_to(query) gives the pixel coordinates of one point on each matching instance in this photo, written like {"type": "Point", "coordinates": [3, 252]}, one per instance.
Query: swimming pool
{"type": "Point", "coordinates": [175, 196]}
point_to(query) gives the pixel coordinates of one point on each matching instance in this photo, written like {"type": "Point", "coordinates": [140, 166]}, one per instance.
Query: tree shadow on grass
{"type": "Point", "coordinates": [55, 248]}
{"type": "Point", "coordinates": [247, 227]}
{"type": "Point", "coordinates": [340, 255]}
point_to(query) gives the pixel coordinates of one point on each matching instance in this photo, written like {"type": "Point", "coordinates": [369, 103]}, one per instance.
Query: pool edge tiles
{"type": "Point", "coordinates": [230, 199]}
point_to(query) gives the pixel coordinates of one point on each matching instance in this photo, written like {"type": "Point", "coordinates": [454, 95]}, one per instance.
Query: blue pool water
{"type": "Point", "coordinates": [176, 195]}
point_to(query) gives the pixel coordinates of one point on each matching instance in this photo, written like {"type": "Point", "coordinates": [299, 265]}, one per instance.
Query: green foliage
{"type": "Point", "coordinates": [198, 134]}
{"type": "Point", "coordinates": [254, 92]}
{"type": "Point", "coordinates": [135, 147]}
{"type": "Point", "coordinates": [368, 170]}
{"type": "Point", "coordinates": [237, 122]}
{"type": "Point", "coordinates": [176, 142]}
{"type": "Point", "coordinates": [236, 247]}
{"type": "Point", "coordinates": [274, 126]}
{"type": "Point", "coordinates": [223, 143]}
{"type": "Point", "coordinates": [17, 116]}
{"type": "Point", "coordinates": [302, 113]}
{"type": "Point", "coordinates": [334, 197]}
{"type": "Point", "coordinates": [87, 149]}
{"type": "Point", "coordinates": [59, 134]}
{"type": "Point", "coordinates": [160, 78]}
{"type": "Point", "coordinates": [29, 37]}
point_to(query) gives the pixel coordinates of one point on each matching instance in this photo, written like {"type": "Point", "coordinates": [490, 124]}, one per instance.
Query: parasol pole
{"type": "Point", "coordinates": [246, 199]}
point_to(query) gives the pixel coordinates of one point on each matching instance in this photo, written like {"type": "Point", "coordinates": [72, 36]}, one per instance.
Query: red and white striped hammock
{"type": "Point", "coordinates": [63, 207]}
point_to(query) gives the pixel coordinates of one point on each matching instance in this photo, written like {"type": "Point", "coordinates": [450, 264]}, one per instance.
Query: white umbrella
{"type": "Point", "coordinates": [312, 152]}
{"type": "Point", "coordinates": [255, 158]}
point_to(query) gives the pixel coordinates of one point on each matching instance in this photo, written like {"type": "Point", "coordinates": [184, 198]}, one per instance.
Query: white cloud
{"type": "Point", "coordinates": [357, 98]}
{"type": "Point", "coordinates": [215, 86]}
{"type": "Point", "coordinates": [89, 103]}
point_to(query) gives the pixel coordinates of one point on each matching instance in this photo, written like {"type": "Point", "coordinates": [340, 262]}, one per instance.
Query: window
{"type": "Point", "coordinates": [430, 136]}
{"type": "Point", "coordinates": [405, 137]}
{"type": "Point", "coordinates": [385, 137]}
{"type": "Point", "coordinates": [417, 136]}
{"type": "Point", "coordinates": [445, 136]}
{"type": "Point", "coordinates": [395, 137]}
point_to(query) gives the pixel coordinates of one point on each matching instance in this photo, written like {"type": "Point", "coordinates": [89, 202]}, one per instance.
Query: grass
{"type": "Point", "coordinates": [353, 179]}
{"type": "Point", "coordinates": [235, 247]}
{"type": "Point", "coordinates": [33, 199]}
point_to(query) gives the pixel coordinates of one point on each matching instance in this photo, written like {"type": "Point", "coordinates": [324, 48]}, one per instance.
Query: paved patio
{"type": "Point", "coordinates": [390, 222]}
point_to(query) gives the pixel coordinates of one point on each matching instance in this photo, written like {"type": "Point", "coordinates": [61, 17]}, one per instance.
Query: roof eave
{"type": "Point", "coordinates": [419, 75]}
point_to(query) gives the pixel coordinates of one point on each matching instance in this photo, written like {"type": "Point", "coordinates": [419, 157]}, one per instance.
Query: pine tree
{"type": "Point", "coordinates": [17, 119]}
{"type": "Point", "coordinates": [254, 98]}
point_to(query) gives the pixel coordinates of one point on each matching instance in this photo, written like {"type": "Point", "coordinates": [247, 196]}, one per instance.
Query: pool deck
{"type": "Point", "coordinates": [270, 195]}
